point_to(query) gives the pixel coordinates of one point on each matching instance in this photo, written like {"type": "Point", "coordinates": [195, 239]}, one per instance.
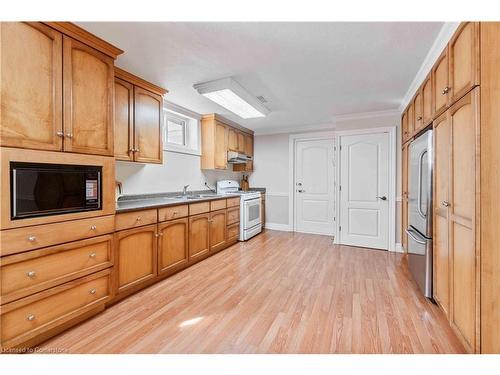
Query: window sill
{"type": "Point", "coordinates": [181, 150]}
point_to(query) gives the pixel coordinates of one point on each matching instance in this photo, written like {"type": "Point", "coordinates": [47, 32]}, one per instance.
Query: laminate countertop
{"type": "Point", "coordinates": [141, 202]}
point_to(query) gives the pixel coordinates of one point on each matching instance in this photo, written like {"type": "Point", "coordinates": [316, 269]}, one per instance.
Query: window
{"type": "Point", "coordinates": [176, 130]}
{"type": "Point", "coordinates": [181, 130]}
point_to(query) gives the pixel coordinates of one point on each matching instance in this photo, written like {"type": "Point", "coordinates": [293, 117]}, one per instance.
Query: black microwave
{"type": "Point", "coordinates": [53, 189]}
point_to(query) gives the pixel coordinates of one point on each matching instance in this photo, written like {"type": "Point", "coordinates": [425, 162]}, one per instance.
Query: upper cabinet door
{"type": "Point", "coordinates": [464, 60]}
{"type": "Point", "coordinates": [418, 113]}
{"type": "Point", "coordinates": [220, 146]}
{"type": "Point", "coordinates": [440, 86]}
{"type": "Point", "coordinates": [148, 125]}
{"type": "Point", "coordinates": [411, 120]}
{"type": "Point", "coordinates": [30, 86]}
{"type": "Point", "coordinates": [88, 99]}
{"type": "Point", "coordinates": [404, 127]}
{"type": "Point", "coordinates": [124, 120]}
{"type": "Point", "coordinates": [241, 142]}
{"type": "Point", "coordinates": [232, 140]}
{"type": "Point", "coordinates": [249, 151]}
{"type": "Point", "coordinates": [427, 101]}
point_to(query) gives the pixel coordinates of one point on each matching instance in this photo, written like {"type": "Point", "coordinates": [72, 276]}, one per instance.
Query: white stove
{"type": "Point", "coordinates": [250, 208]}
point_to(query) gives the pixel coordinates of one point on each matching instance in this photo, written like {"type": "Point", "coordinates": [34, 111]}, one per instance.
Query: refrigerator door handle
{"type": "Point", "coordinates": [419, 193]}
{"type": "Point", "coordinates": [410, 233]}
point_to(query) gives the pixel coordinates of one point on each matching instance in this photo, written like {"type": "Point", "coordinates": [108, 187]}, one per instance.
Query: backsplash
{"type": "Point", "coordinates": [176, 171]}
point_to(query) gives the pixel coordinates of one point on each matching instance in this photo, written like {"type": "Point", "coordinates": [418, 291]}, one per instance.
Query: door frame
{"type": "Point", "coordinates": [292, 141]}
{"type": "Point", "coordinates": [391, 130]}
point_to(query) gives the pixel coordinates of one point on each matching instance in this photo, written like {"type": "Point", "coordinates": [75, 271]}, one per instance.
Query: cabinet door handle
{"type": "Point", "coordinates": [384, 198]}
{"type": "Point", "coordinates": [445, 91]}
{"type": "Point", "coordinates": [30, 317]}
{"type": "Point", "coordinates": [31, 274]}
{"type": "Point", "coordinates": [138, 218]}
{"type": "Point", "coordinates": [60, 134]}
{"type": "Point", "coordinates": [69, 135]}
{"type": "Point", "coordinates": [446, 204]}
{"type": "Point", "coordinates": [92, 255]}
{"type": "Point", "coordinates": [32, 238]}
{"type": "Point", "coordinates": [93, 227]}
{"type": "Point", "coordinates": [419, 118]}
{"type": "Point", "coordinates": [92, 291]}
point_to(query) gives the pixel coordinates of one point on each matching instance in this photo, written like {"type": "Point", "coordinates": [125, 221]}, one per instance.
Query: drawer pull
{"type": "Point", "coordinates": [92, 291]}
{"type": "Point", "coordinates": [30, 317]}
{"type": "Point", "coordinates": [445, 90]}
{"type": "Point", "coordinates": [93, 227]}
{"type": "Point", "coordinates": [31, 274]}
{"type": "Point", "coordinates": [174, 213]}
{"type": "Point", "coordinates": [92, 255]}
{"type": "Point", "coordinates": [32, 238]}
{"type": "Point", "coordinates": [138, 219]}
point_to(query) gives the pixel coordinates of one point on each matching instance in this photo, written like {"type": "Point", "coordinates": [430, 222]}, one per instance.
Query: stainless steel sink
{"type": "Point", "coordinates": [191, 196]}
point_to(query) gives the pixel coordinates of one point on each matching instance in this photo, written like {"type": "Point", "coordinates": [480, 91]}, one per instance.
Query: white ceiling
{"type": "Point", "coordinates": [308, 72]}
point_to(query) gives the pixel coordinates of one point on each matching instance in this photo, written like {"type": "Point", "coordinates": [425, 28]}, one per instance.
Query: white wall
{"type": "Point", "coordinates": [271, 167]}
{"type": "Point", "coordinates": [176, 171]}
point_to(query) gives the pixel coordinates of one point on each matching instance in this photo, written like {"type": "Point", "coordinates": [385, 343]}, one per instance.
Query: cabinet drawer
{"type": "Point", "coordinates": [233, 232]}
{"type": "Point", "coordinates": [136, 219]}
{"type": "Point", "coordinates": [233, 202]}
{"type": "Point", "coordinates": [30, 238]}
{"type": "Point", "coordinates": [171, 213]}
{"type": "Point", "coordinates": [233, 216]}
{"type": "Point", "coordinates": [199, 208]}
{"type": "Point", "coordinates": [28, 317]}
{"type": "Point", "coordinates": [219, 204]}
{"type": "Point", "coordinates": [31, 272]}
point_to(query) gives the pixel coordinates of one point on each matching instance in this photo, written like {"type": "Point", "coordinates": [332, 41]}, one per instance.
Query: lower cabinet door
{"type": "Point", "coordinates": [199, 244]}
{"type": "Point", "coordinates": [172, 245]}
{"type": "Point", "coordinates": [136, 256]}
{"type": "Point", "coordinates": [217, 230]}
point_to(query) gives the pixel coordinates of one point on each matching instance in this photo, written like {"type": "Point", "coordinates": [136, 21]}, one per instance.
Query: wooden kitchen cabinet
{"type": "Point", "coordinates": [463, 117]}
{"type": "Point", "coordinates": [138, 119]}
{"type": "Point", "coordinates": [411, 119]}
{"type": "Point", "coordinates": [427, 113]}
{"type": "Point", "coordinates": [136, 257]}
{"type": "Point", "coordinates": [218, 136]}
{"type": "Point", "coordinates": [218, 220]}
{"type": "Point", "coordinates": [148, 118]}
{"type": "Point", "coordinates": [199, 236]}
{"type": "Point", "coordinates": [88, 87]}
{"type": "Point", "coordinates": [173, 250]}
{"type": "Point", "coordinates": [441, 258]}
{"type": "Point", "coordinates": [440, 86]}
{"type": "Point", "coordinates": [418, 112]}
{"type": "Point", "coordinates": [464, 60]}
{"type": "Point", "coordinates": [404, 127]}
{"type": "Point", "coordinates": [31, 86]}
{"type": "Point", "coordinates": [124, 120]}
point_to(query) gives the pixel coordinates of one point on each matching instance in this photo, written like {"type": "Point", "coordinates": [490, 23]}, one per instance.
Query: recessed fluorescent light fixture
{"type": "Point", "coordinates": [229, 94]}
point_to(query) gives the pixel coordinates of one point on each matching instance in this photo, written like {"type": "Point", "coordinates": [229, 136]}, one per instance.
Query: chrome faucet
{"type": "Point", "coordinates": [184, 190]}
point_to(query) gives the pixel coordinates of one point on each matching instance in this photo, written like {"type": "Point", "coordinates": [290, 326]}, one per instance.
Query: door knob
{"type": "Point", "coordinates": [384, 198]}
{"type": "Point", "coordinates": [301, 191]}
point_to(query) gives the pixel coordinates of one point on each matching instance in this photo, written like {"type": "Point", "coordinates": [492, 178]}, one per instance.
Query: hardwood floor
{"type": "Point", "coordinates": [277, 293]}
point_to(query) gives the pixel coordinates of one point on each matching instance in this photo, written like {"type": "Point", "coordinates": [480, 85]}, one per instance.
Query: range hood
{"type": "Point", "coordinates": [234, 157]}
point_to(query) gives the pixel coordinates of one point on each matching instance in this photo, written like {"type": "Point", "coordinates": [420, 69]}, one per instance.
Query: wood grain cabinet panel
{"type": "Point", "coordinates": [217, 204]}
{"type": "Point", "coordinates": [199, 208]}
{"type": "Point", "coordinates": [427, 113]}
{"type": "Point", "coordinates": [31, 272]}
{"type": "Point", "coordinates": [440, 85]}
{"type": "Point", "coordinates": [199, 234]}
{"type": "Point", "coordinates": [31, 316]}
{"type": "Point", "coordinates": [218, 223]}
{"type": "Point", "coordinates": [404, 127]}
{"type": "Point", "coordinates": [173, 250]}
{"type": "Point", "coordinates": [241, 142]}
{"type": "Point", "coordinates": [136, 256]}
{"type": "Point", "coordinates": [411, 119]}
{"type": "Point", "coordinates": [418, 112]}
{"type": "Point", "coordinates": [233, 233]}
{"type": "Point", "coordinates": [233, 216]}
{"type": "Point", "coordinates": [232, 140]}
{"type": "Point", "coordinates": [30, 86]}
{"type": "Point", "coordinates": [124, 120]}
{"type": "Point", "coordinates": [148, 126]}
{"type": "Point", "coordinates": [233, 202]}
{"type": "Point", "coordinates": [220, 151]}
{"type": "Point", "coordinates": [464, 60]}
{"type": "Point", "coordinates": [171, 213]}
{"type": "Point", "coordinates": [88, 78]}
{"type": "Point", "coordinates": [442, 256]}
{"type": "Point", "coordinates": [463, 122]}
{"type": "Point", "coordinates": [128, 220]}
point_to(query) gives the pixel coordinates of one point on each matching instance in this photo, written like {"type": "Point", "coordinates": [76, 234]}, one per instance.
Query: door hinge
{"type": "Point", "coordinates": [340, 187]}
{"type": "Point", "coordinates": [340, 148]}
{"type": "Point", "coordinates": [340, 228]}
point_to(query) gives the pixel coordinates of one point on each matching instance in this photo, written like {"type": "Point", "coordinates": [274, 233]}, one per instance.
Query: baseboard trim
{"type": "Point", "coordinates": [280, 227]}
{"type": "Point", "coordinates": [398, 248]}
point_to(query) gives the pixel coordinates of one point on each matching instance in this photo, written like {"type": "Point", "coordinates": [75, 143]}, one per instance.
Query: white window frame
{"type": "Point", "coordinates": [179, 120]}
{"type": "Point", "coordinates": [192, 130]}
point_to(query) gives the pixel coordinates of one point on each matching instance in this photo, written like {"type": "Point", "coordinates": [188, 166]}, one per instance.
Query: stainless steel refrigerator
{"type": "Point", "coordinates": [420, 211]}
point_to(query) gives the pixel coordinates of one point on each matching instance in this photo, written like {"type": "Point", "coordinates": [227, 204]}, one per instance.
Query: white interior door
{"type": "Point", "coordinates": [314, 186]}
{"type": "Point", "coordinates": [364, 190]}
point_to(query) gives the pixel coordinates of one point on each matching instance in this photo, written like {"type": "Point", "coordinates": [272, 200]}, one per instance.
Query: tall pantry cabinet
{"type": "Point", "coordinates": [465, 113]}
